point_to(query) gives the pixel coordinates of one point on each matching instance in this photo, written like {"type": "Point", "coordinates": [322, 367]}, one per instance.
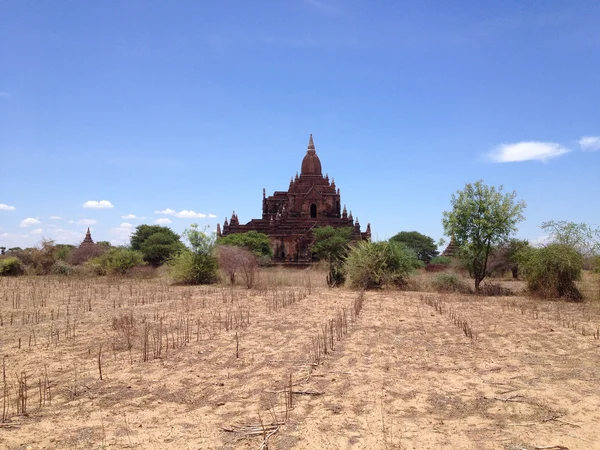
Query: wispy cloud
{"type": "Point", "coordinates": [30, 221]}
{"type": "Point", "coordinates": [132, 216]}
{"type": "Point", "coordinates": [589, 143]}
{"type": "Point", "coordinates": [4, 95]}
{"type": "Point", "coordinates": [87, 222]}
{"type": "Point", "coordinates": [36, 232]}
{"type": "Point", "coordinates": [55, 217]}
{"type": "Point", "coordinates": [527, 151]}
{"type": "Point", "coordinates": [323, 6]}
{"type": "Point", "coordinates": [98, 204]}
{"type": "Point", "coordinates": [184, 214]}
{"type": "Point", "coordinates": [162, 221]}
{"type": "Point", "coordinates": [5, 207]}
{"type": "Point", "coordinates": [212, 216]}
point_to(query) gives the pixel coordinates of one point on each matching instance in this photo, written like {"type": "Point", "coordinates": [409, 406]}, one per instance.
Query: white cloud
{"type": "Point", "coordinates": [5, 207]}
{"type": "Point", "coordinates": [527, 151]}
{"type": "Point", "coordinates": [55, 217]}
{"type": "Point", "coordinates": [212, 216]}
{"type": "Point", "coordinates": [98, 204]}
{"type": "Point", "coordinates": [168, 212]}
{"type": "Point", "coordinates": [87, 222]}
{"type": "Point", "coordinates": [589, 143]}
{"type": "Point", "coordinates": [130, 216]}
{"type": "Point", "coordinates": [162, 221]}
{"type": "Point", "coordinates": [190, 215]}
{"type": "Point", "coordinates": [30, 221]}
{"type": "Point", "coordinates": [184, 214]}
{"type": "Point", "coordinates": [37, 231]}
{"type": "Point", "coordinates": [121, 234]}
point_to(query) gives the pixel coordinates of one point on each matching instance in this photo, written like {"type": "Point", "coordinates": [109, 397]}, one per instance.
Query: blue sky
{"type": "Point", "coordinates": [180, 112]}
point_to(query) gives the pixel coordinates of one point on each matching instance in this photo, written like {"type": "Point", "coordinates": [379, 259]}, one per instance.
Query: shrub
{"type": "Point", "coordinates": [11, 267]}
{"type": "Point", "coordinates": [117, 260]}
{"type": "Point", "coordinates": [551, 271]}
{"type": "Point", "coordinates": [61, 268]}
{"type": "Point", "coordinates": [450, 282]}
{"type": "Point", "coordinates": [375, 264]}
{"type": "Point", "coordinates": [446, 260]}
{"type": "Point", "coordinates": [194, 268]}
{"type": "Point", "coordinates": [197, 263]}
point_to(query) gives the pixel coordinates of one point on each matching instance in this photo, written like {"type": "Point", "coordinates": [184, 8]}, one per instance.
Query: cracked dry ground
{"type": "Point", "coordinates": [404, 376]}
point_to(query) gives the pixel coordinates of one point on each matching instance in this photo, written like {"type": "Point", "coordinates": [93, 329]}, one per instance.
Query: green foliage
{"type": "Point", "coordinates": [257, 243]}
{"type": "Point", "coordinates": [580, 236]}
{"type": "Point", "coordinates": [63, 251]}
{"type": "Point", "coordinates": [157, 243]}
{"type": "Point", "coordinates": [482, 217]}
{"type": "Point", "coordinates": [105, 244]}
{"type": "Point", "coordinates": [446, 260]}
{"type": "Point", "coordinates": [332, 245]}
{"type": "Point", "coordinates": [375, 264]}
{"type": "Point", "coordinates": [196, 264]}
{"type": "Point", "coordinates": [551, 271]}
{"type": "Point", "coordinates": [424, 246]}
{"type": "Point", "coordinates": [449, 282]}
{"type": "Point", "coordinates": [11, 267]}
{"type": "Point", "coordinates": [117, 260]}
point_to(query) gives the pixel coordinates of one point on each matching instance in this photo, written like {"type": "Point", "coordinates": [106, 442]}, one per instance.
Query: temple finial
{"type": "Point", "coordinates": [311, 144]}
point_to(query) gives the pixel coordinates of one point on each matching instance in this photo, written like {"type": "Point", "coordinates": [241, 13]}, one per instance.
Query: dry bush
{"type": "Point", "coordinates": [495, 290]}
{"type": "Point", "coordinates": [450, 282]}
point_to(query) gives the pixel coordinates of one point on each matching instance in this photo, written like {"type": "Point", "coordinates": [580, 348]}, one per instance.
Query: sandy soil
{"type": "Point", "coordinates": [412, 371]}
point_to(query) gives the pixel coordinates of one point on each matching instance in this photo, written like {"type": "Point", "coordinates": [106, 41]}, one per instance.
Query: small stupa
{"type": "Point", "coordinates": [452, 249]}
{"type": "Point", "coordinates": [87, 241]}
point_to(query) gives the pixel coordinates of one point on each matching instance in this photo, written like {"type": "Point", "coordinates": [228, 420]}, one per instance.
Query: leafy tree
{"type": "Point", "coordinates": [424, 246]}
{"type": "Point", "coordinates": [482, 217]}
{"type": "Point", "coordinates": [257, 243]}
{"type": "Point", "coordinates": [157, 243]}
{"type": "Point", "coordinates": [580, 236]}
{"type": "Point", "coordinates": [504, 258]}
{"type": "Point", "coordinates": [106, 244]}
{"type": "Point", "coordinates": [63, 251]}
{"type": "Point", "coordinates": [195, 264]}
{"type": "Point", "coordinates": [551, 271]}
{"type": "Point", "coordinates": [375, 264]}
{"type": "Point", "coordinates": [332, 245]}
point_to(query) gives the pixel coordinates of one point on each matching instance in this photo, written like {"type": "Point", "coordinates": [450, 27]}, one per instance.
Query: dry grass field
{"type": "Point", "coordinates": [121, 363]}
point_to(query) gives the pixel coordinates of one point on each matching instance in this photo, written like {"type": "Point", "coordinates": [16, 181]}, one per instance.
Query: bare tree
{"type": "Point", "coordinates": [234, 260]}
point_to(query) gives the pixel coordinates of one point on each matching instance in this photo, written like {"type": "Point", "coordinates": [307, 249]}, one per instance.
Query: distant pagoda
{"type": "Point", "coordinates": [87, 241]}
{"type": "Point", "coordinates": [452, 250]}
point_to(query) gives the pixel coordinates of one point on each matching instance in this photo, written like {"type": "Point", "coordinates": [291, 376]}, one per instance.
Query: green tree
{"type": "Point", "coordinates": [197, 263]}
{"type": "Point", "coordinates": [375, 264]}
{"type": "Point", "coordinates": [257, 243]}
{"type": "Point", "coordinates": [157, 243]}
{"type": "Point", "coordinates": [481, 217]}
{"type": "Point", "coordinates": [552, 270]}
{"type": "Point", "coordinates": [580, 236]}
{"type": "Point", "coordinates": [423, 245]}
{"type": "Point", "coordinates": [332, 245]}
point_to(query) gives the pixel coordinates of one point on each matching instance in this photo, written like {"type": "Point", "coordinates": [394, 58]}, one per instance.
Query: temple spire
{"type": "Point", "coordinates": [311, 144]}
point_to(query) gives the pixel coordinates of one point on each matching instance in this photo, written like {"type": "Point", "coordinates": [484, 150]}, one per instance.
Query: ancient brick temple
{"type": "Point", "coordinates": [288, 217]}
{"type": "Point", "coordinates": [87, 241]}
